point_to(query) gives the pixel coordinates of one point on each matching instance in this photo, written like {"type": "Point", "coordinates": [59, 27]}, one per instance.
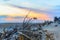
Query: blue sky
{"type": "Point", "coordinates": [49, 6]}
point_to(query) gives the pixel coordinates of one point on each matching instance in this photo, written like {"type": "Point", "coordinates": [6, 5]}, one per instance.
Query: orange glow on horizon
{"type": "Point", "coordinates": [13, 11]}
{"type": "Point", "coordinates": [40, 16]}
{"type": "Point", "coordinates": [9, 19]}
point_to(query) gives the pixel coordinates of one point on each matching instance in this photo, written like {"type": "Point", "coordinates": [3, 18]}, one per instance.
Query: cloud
{"type": "Point", "coordinates": [54, 11]}
{"type": "Point", "coordinates": [26, 4]}
{"type": "Point", "coordinates": [17, 13]}
{"type": "Point", "coordinates": [3, 16]}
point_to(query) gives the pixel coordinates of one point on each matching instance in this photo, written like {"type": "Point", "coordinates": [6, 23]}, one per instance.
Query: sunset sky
{"type": "Point", "coordinates": [16, 10]}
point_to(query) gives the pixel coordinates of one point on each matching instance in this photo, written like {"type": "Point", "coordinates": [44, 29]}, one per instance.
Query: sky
{"type": "Point", "coordinates": [34, 3]}
{"type": "Point", "coordinates": [42, 9]}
